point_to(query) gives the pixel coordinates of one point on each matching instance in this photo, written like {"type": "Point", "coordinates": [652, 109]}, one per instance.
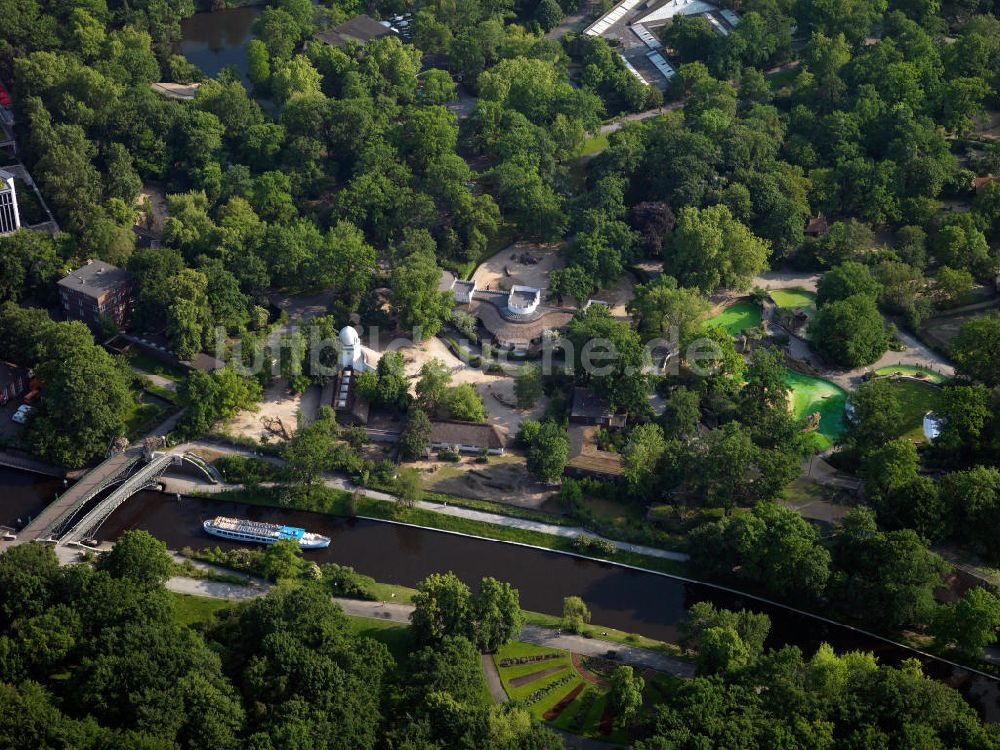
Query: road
{"type": "Point", "coordinates": [27, 463]}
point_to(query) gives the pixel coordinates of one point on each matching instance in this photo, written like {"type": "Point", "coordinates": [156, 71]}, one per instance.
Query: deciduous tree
{"type": "Point", "coordinates": [442, 607]}
{"type": "Point", "coordinates": [850, 332]}
{"type": "Point", "coordinates": [626, 695]}
{"type": "Point", "coordinates": [709, 249]}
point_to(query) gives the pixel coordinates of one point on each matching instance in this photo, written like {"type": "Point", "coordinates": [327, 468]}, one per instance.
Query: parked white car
{"type": "Point", "coordinates": [21, 415]}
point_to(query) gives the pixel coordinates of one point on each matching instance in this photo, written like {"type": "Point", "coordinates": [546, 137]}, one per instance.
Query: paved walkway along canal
{"type": "Point", "coordinates": [628, 599]}
{"type": "Point", "coordinates": [397, 612]}
{"type": "Point", "coordinates": [185, 486]}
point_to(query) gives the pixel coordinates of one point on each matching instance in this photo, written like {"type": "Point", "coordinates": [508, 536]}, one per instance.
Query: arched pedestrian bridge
{"type": "Point", "coordinates": [132, 470]}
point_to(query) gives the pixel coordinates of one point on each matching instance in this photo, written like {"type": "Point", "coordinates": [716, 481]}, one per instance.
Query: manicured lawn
{"type": "Point", "coordinates": [396, 637]}
{"type": "Point", "coordinates": [915, 399]}
{"type": "Point", "coordinates": [737, 317]}
{"type": "Point", "coordinates": [143, 419]}
{"type": "Point", "coordinates": [194, 609]}
{"type": "Point", "coordinates": [605, 634]}
{"type": "Point", "coordinates": [794, 299]}
{"type": "Point", "coordinates": [159, 392]}
{"type": "Point", "coordinates": [391, 592]}
{"type": "Point", "coordinates": [594, 145]}
{"type": "Point", "coordinates": [154, 366]}
{"type": "Point", "coordinates": [813, 394]}
{"type": "Point", "coordinates": [783, 78]}
{"type": "Point", "coordinates": [561, 682]}
{"type": "Point", "coordinates": [912, 371]}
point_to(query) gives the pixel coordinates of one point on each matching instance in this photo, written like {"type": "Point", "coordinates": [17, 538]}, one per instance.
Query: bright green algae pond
{"type": "Point", "coordinates": [737, 317]}
{"type": "Point", "coordinates": [810, 395]}
{"type": "Point", "coordinates": [793, 298]}
{"type": "Point", "coordinates": [912, 371]}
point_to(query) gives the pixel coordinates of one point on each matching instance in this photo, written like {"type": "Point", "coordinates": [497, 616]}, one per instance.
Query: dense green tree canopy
{"type": "Point", "coordinates": [850, 332]}
{"type": "Point", "coordinates": [608, 355]}
{"type": "Point", "coordinates": [711, 249]}
{"type": "Point", "coordinates": [976, 349]}
{"type": "Point", "coordinates": [548, 448]}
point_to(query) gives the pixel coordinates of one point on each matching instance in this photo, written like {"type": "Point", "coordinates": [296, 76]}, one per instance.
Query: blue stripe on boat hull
{"type": "Point", "coordinates": [229, 536]}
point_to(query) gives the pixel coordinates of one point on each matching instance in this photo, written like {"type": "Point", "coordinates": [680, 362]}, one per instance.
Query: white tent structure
{"type": "Point", "coordinates": [676, 8]}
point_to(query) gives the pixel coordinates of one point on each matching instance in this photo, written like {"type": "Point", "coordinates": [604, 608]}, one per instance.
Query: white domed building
{"type": "Point", "coordinates": [339, 392]}
{"type": "Point", "coordinates": [352, 354]}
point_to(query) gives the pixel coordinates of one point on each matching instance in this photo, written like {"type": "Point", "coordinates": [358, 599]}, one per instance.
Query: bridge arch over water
{"type": "Point", "coordinates": [132, 470]}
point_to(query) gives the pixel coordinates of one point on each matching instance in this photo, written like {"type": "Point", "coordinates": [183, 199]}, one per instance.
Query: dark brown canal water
{"type": "Point", "coordinates": [23, 495]}
{"type": "Point", "coordinates": [631, 600]}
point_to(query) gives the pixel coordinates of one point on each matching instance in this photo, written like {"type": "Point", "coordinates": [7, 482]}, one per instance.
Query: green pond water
{"type": "Point", "coordinates": [814, 394]}
{"type": "Point", "coordinates": [737, 318]}
{"type": "Point", "coordinates": [912, 370]}
{"type": "Point", "coordinates": [793, 298]}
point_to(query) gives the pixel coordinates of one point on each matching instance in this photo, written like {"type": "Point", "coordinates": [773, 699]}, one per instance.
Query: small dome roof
{"type": "Point", "coordinates": [349, 337]}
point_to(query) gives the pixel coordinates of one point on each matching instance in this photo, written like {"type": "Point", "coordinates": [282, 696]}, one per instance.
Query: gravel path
{"type": "Point", "coordinates": [493, 681]}
{"type": "Point", "coordinates": [787, 280]}
{"type": "Point", "coordinates": [157, 380]}
{"type": "Point", "coordinates": [641, 657]}
{"type": "Point", "coordinates": [916, 353]}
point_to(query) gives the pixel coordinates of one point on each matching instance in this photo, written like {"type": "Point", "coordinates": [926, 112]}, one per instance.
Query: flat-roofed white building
{"type": "Point", "coordinates": [10, 219]}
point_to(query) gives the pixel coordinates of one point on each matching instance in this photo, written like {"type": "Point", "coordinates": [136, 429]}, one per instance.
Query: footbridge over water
{"type": "Point", "coordinates": [134, 469]}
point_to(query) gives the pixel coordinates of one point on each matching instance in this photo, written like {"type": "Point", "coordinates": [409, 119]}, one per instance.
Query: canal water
{"type": "Point", "coordinates": [217, 40]}
{"type": "Point", "coordinates": [630, 600]}
{"type": "Point", "coordinates": [24, 495]}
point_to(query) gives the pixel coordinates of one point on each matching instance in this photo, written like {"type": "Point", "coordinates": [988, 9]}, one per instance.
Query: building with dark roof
{"type": "Point", "coordinates": [817, 226]}
{"type": "Point", "coordinates": [518, 336]}
{"type": "Point", "coordinates": [467, 437]}
{"type": "Point", "coordinates": [341, 394]}
{"type": "Point", "coordinates": [980, 183]}
{"type": "Point", "coordinates": [590, 409]}
{"type": "Point", "coordinates": [95, 289]}
{"type": "Point", "coordinates": [359, 30]}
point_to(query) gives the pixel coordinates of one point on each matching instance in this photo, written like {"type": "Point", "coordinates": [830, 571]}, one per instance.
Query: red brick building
{"type": "Point", "coordinates": [14, 382]}
{"type": "Point", "coordinates": [97, 288]}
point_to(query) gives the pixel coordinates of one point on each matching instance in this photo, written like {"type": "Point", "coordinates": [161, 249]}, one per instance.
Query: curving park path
{"type": "Point", "coordinates": [916, 354]}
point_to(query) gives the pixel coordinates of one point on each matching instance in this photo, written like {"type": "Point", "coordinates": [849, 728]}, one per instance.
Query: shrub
{"type": "Point", "coordinates": [594, 545]}
{"type": "Point", "coordinates": [342, 580]}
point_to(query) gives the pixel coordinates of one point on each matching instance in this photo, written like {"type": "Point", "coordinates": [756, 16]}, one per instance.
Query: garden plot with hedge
{"type": "Point", "coordinates": [566, 690]}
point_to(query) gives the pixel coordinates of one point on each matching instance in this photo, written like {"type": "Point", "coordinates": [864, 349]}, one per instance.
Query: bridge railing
{"type": "Point", "coordinates": [86, 489]}
{"type": "Point", "coordinates": [211, 473]}
{"type": "Point", "coordinates": [140, 480]}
